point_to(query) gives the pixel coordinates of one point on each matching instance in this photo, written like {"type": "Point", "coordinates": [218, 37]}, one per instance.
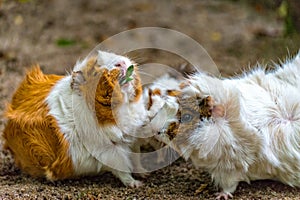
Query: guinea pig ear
{"type": "Point", "coordinates": [103, 56]}
{"type": "Point", "coordinates": [209, 107]}
{"type": "Point", "coordinates": [218, 111]}
{"type": "Point", "coordinates": [77, 80]}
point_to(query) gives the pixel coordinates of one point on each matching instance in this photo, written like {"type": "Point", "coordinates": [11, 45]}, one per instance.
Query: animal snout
{"type": "Point", "coordinates": [121, 64]}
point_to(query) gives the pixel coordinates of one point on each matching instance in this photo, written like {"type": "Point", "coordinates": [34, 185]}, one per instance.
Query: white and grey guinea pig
{"type": "Point", "coordinates": [61, 127]}
{"type": "Point", "coordinates": [242, 129]}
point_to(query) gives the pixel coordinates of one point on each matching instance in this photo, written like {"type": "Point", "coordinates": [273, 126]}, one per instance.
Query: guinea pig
{"type": "Point", "coordinates": [162, 106]}
{"type": "Point", "coordinates": [83, 123]}
{"type": "Point", "coordinates": [242, 129]}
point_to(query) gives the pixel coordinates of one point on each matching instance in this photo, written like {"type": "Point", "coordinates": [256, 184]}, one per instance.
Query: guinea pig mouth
{"type": "Point", "coordinates": [122, 72]}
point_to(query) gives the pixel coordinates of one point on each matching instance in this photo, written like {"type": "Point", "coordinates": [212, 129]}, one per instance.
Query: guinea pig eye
{"type": "Point", "coordinates": [185, 118]}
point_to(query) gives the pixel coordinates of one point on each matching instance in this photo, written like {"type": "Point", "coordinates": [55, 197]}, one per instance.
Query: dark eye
{"type": "Point", "coordinates": [185, 118]}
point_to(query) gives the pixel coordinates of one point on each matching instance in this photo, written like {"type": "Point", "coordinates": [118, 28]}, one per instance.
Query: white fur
{"type": "Point", "coordinates": [164, 107]}
{"type": "Point", "coordinates": [259, 135]}
{"type": "Point", "coordinates": [105, 59]}
{"type": "Point", "coordinates": [160, 114]}
{"type": "Point", "coordinates": [95, 148]}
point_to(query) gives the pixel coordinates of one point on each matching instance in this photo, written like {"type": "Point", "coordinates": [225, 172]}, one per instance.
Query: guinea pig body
{"type": "Point", "coordinates": [251, 130]}
{"type": "Point", "coordinates": [81, 124]}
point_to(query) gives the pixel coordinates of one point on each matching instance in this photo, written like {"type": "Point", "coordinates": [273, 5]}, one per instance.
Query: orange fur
{"type": "Point", "coordinates": [138, 87]}
{"type": "Point", "coordinates": [172, 130]}
{"type": "Point", "coordinates": [156, 92]}
{"type": "Point", "coordinates": [32, 135]}
{"type": "Point", "coordinates": [173, 93]}
{"type": "Point", "coordinates": [104, 93]}
{"type": "Point", "coordinates": [101, 91]}
{"type": "Point", "coordinates": [108, 97]}
{"type": "Point", "coordinates": [183, 85]}
{"type": "Point", "coordinates": [150, 101]}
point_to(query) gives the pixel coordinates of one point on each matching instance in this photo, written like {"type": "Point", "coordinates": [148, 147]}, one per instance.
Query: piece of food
{"type": "Point", "coordinates": [127, 78]}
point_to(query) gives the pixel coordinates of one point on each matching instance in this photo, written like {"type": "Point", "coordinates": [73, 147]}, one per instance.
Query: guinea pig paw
{"type": "Point", "coordinates": [224, 195]}
{"type": "Point", "coordinates": [135, 184]}
{"type": "Point", "coordinates": [144, 175]}
{"type": "Point", "coordinates": [142, 172]}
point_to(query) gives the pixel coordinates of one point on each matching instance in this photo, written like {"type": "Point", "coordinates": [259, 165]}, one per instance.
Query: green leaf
{"type": "Point", "coordinates": [283, 9]}
{"type": "Point", "coordinates": [24, 1]}
{"type": "Point", "coordinates": [63, 42]}
{"type": "Point", "coordinates": [129, 71]}
{"type": "Point", "coordinates": [128, 75]}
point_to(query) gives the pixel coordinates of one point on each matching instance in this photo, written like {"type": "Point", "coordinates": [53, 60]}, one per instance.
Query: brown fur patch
{"type": "Point", "coordinates": [183, 85]}
{"type": "Point", "coordinates": [199, 107]}
{"type": "Point", "coordinates": [150, 101]}
{"type": "Point", "coordinates": [206, 106]}
{"type": "Point", "coordinates": [192, 110]}
{"type": "Point", "coordinates": [102, 91]}
{"type": "Point", "coordinates": [172, 130]}
{"type": "Point", "coordinates": [33, 136]}
{"type": "Point", "coordinates": [173, 93]}
{"type": "Point", "coordinates": [108, 97]}
{"type": "Point", "coordinates": [156, 91]}
{"type": "Point", "coordinates": [137, 87]}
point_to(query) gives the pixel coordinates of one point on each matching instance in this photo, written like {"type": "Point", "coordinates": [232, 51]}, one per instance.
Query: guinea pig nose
{"type": "Point", "coordinates": [121, 64]}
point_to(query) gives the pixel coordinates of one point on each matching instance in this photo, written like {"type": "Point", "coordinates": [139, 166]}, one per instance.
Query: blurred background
{"type": "Point", "coordinates": [237, 34]}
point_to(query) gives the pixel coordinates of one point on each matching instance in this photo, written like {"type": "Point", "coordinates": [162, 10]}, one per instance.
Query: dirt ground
{"type": "Point", "coordinates": [56, 33]}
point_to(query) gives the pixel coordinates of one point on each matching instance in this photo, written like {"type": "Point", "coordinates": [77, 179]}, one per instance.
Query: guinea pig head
{"type": "Point", "coordinates": [128, 77]}
{"type": "Point", "coordinates": [193, 114]}
{"type": "Point", "coordinates": [99, 81]}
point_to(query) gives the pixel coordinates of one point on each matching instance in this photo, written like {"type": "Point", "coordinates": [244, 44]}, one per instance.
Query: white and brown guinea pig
{"type": "Point", "coordinates": [61, 127]}
{"type": "Point", "coordinates": [243, 129]}
{"type": "Point", "coordinates": [161, 104]}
